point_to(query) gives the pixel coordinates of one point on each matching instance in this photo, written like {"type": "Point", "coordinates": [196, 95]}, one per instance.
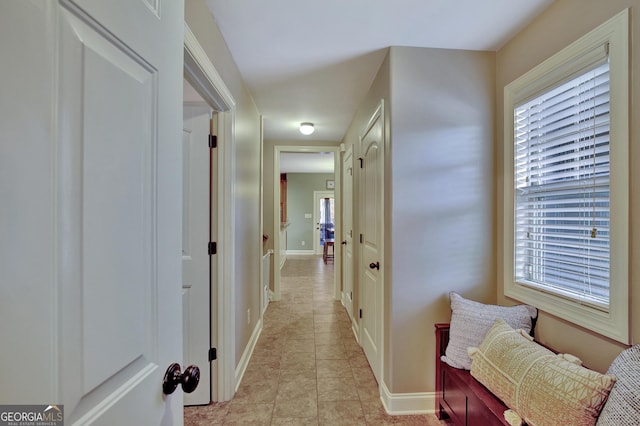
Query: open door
{"type": "Point", "coordinates": [197, 160]}
{"type": "Point", "coordinates": [90, 260]}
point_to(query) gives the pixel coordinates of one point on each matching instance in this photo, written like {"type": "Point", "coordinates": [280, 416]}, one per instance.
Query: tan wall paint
{"type": "Point", "coordinates": [562, 23]}
{"type": "Point", "coordinates": [441, 217]}
{"type": "Point", "coordinates": [248, 235]}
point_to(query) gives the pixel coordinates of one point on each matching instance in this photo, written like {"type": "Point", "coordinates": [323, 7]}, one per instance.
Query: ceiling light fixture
{"type": "Point", "coordinates": [306, 128]}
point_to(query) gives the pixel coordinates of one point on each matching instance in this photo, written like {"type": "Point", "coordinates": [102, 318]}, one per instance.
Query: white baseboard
{"type": "Point", "coordinates": [246, 355]}
{"type": "Point", "coordinates": [300, 253]}
{"type": "Point", "coordinates": [407, 403]}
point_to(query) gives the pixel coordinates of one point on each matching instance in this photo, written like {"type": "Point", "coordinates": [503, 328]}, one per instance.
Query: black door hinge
{"type": "Point", "coordinates": [361, 239]}
{"type": "Point", "coordinates": [360, 313]}
{"type": "Point", "coordinates": [361, 160]}
{"type": "Point", "coordinates": [213, 354]}
{"type": "Point", "coordinates": [213, 248]}
{"type": "Point", "coordinates": [213, 141]}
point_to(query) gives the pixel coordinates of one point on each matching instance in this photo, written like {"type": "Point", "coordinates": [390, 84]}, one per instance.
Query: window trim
{"type": "Point", "coordinates": [613, 323]}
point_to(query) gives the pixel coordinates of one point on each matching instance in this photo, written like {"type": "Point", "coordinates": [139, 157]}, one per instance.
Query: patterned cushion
{"type": "Point", "coordinates": [623, 406]}
{"type": "Point", "coordinates": [538, 385]}
{"type": "Point", "coordinates": [471, 320]}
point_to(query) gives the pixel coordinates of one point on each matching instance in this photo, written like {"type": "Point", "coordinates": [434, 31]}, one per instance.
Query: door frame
{"type": "Point", "coordinates": [277, 150]}
{"type": "Point", "coordinates": [206, 80]}
{"type": "Point", "coordinates": [317, 195]}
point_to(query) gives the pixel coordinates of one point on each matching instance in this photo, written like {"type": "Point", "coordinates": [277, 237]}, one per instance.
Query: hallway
{"type": "Point", "coordinates": [307, 368]}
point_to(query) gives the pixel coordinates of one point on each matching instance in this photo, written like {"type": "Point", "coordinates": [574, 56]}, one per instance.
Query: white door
{"type": "Point", "coordinates": [347, 231]}
{"type": "Point", "coordinates": [196, 296]}
{"type": "Point", "coordinates": [371, 221]}
{"type": "Point", "coordinates": [90, 174]}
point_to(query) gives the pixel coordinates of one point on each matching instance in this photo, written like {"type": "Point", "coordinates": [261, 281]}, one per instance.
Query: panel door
{"type": "Point", "coordinates": [371, 221]}
{"type": "Point", "coordinates": [93, 234]}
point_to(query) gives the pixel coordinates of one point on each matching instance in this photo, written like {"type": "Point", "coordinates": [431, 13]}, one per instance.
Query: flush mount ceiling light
{"type": "Point", "coordinates": [306, 128]}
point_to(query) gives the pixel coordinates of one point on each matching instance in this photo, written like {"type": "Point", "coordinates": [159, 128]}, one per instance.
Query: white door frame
{"type": "Point", "coordinates": [202, 75]}
{"type": "Point", "coordinates": [277, 149]}
{"type": "Point", "coordinates": [317, 195]}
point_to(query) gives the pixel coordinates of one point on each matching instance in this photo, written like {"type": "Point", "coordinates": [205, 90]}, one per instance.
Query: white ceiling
{"type": "Point", "coordinates": [314, 61]}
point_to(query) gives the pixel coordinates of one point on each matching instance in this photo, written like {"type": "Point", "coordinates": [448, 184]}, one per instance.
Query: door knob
{"type": "Point", "coordinates": [374, 265]}
{"type": "Point", "coordinates": [174, 377]}
{"type": "Point", "coordinates": [344, 243]}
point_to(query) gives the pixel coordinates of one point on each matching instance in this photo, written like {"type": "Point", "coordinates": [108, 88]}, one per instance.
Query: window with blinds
{"type": "Point", "coordinates": [566, 210]}
{"type": "Point", "coordinates": [561, 192]}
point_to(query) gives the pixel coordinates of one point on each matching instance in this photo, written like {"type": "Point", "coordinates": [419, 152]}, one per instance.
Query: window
{"type": "Point", "coordinates": [561, 176]}
{"type": "Point", "coordinates": [566, 186]}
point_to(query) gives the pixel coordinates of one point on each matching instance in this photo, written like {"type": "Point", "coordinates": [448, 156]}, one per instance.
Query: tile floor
{"type": "Point", "coordinates": [307, 368]}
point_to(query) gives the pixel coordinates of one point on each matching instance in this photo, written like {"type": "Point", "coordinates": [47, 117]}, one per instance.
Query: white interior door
{"type": "Point", "coordinates": [347, 231]}
{"type": "Point", "coordinates": [196, 294]}
{"type": "Point", "coordinates": [371, 221]}
{"type": "Point", "coordinates": [91, 219]}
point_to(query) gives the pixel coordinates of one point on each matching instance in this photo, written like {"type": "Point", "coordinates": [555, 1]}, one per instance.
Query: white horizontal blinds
{"type": "Point", "coordinates": [561, 166]}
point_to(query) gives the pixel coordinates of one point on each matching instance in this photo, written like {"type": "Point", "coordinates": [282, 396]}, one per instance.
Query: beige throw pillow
{"type": "Point", "coordinates": [540, 386]}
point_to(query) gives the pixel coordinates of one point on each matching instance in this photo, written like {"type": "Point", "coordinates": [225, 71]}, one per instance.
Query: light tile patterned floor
{"type": "Point", "coordinates": [307, 368]}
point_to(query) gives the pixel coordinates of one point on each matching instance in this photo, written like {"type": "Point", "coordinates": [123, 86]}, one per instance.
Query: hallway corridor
{"type": "Point", "coordinates": [307, 368]}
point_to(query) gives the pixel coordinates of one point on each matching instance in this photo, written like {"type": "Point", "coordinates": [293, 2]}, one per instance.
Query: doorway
{"type": "Point", "coordinates": [280, 226]}
{"type": "Point", "coordinates": [198, 267]}
{"type": "Point", "coordinates": [324, 220]}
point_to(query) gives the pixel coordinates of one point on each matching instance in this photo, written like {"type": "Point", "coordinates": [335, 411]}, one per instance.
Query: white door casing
{"type": "Point", "coordinates": [205, 79]}
{"type": "Point", "coordinates": [196, 197]}
{"type": "Point", "coordinates": [371, 268]}
{"type": "Point", "coordinates": [347, 232]}
{"type": "Point", "coordinates": [102, 84]}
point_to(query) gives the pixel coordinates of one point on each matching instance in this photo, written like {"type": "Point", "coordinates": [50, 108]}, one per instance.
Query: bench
{"type": "Point", "coordinates": [459, 397]}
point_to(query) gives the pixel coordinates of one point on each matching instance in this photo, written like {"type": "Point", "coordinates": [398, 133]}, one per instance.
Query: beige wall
{"type": "Point", "coordinates": [442, 199]}
{"type": "Point", "coordinates": [248, 235]}
{"type": "Point", "coordinates": [561, 24]}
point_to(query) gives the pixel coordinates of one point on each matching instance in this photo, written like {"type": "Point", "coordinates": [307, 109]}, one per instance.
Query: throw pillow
{"type": "Point", "coordinates": [538, 385]}
{"type": "Point", "coordinates": [470, 321]}
{"type": "Point", "coordinates": [623, 406]}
